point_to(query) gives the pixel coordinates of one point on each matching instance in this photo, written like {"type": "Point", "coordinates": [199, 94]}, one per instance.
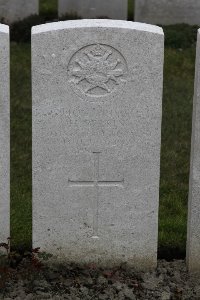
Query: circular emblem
{"type": "Point", "coordinates": [97, 71]}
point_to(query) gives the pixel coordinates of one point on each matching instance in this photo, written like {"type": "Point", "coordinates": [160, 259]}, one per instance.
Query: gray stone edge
{"type": "Point", "coordinates": [96, 23]}
{"type": "Point", "coordinates": [189, 262]}
{"type": "Point", "coordinates": [4, 28]}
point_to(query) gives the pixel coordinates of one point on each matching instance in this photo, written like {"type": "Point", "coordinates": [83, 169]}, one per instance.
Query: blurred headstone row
{"type": "Point", "coordinates": [163, 12]}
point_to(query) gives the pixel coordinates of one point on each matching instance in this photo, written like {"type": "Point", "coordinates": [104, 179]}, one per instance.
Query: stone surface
{"type": "Point", "coordinates": [166, 12]}
{"type": "Point", "coordinates": [117, 9]}
{"type": "Point", "coordinates": [97, 93]}
{"type": "Point", "coordinates": [4, 135]}
{"type": "Point", "coordinates": [15, 10]}
{"type": "Point", "coordinates": [193, 238]}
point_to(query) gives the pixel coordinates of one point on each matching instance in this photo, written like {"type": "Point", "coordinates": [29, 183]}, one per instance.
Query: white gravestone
{"type": "Point", "coordinates": [97, 93]}
{"type": "Point", "coordinates": [15, 10]}
{"type": "Point", "coordinates": [167, 12]}
{"type": "Point", "coordinates": [4, 135]}
{"type": "Point", "coordinates": [117, 9]}
{"type": "Point", "coordinates": [193, 239]}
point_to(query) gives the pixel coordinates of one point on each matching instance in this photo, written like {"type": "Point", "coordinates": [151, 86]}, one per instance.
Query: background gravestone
{"type": "Point", "coordinates": [117, 9]}
{"type": "Point", "coordinates": [167, 12]}
{"type": "Point", "coordinates": [193, 239]}
{"type": "Point", "coordinates": [15, 10]}
{"type": "Point", "coordinates": [4, 135]}
{"type": "Point", "coordinates": [97, 94]}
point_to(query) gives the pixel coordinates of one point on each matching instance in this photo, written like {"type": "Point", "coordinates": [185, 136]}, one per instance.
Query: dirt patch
{"type": "Point", "coordinates": [31, 280]}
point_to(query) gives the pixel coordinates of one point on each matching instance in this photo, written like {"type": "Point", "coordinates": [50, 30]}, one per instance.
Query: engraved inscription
{"type": "Point", "coordinates": [97, 70]}
{"type": "Point", "coordinates": [96, 183]}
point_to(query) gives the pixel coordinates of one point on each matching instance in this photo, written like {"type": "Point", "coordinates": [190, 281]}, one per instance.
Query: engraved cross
{"type": "Point", "coordinates": [96, 184]}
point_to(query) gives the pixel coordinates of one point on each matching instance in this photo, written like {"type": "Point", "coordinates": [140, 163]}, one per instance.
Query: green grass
{"type": "Point", "coordinates": [175, 155]}
{"type": "Point", "coordinates": [20, 145]}
{"type": "Point", "coordinates": [130, 10]}
{"type": "Point", "coordinates": [49, 8]}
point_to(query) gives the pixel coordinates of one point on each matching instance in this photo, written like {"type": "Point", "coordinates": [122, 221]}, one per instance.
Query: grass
{"type": "Point", "coordinates": [20, 145]}
{"type": "Point", "coordinates": [49, 8]}
{"type": "Point", "coordinates": [175, 154]}
{"type": "Point", "coordinates": [176, 135]}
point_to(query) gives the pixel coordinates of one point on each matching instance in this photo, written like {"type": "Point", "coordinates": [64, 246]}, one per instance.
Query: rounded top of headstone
{"type": "Point", "coordinates": [4, 28]}
{"type": "Point", "coordinates": [98, 23]}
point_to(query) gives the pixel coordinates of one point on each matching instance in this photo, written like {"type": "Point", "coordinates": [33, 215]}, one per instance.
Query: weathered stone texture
{"type": "Point", "coordinates": [15, 10]}
{"type": "Point", "coordinates": [4, 135]}
{"type": "Point", "coordinates": [117, 9]}
{"type": "Point", "coordinates": [97, 94]}
{"type": "Point", "coordinates": [193, 239]}
{"type": "Point", "coordinates": [166, 12]}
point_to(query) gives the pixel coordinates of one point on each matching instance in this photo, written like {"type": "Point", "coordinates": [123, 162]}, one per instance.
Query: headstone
{"type": "Point", "coordinates": [117, 9]}
{"type": "Point", "coordinates": [4, 135]}
{"type": "Point", "coordinates": [166, 12]}
{"type": "Point", "coordinates": [193, 238]}
{"type": "Point", "coordinates": [15, 10]}
{"type": "Point", "coordinates": [97, 93]}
